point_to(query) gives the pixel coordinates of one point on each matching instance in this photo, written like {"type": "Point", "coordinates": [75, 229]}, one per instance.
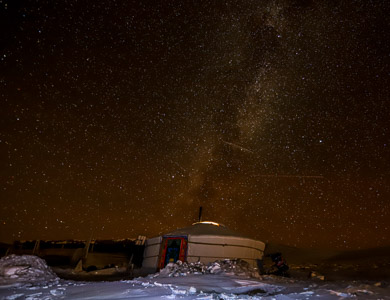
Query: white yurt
{"type": "Point", "coordinates": [203, 241]}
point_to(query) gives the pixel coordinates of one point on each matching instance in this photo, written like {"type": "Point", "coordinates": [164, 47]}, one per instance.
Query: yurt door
{"type": "Point", "coordinates": [173, 249]}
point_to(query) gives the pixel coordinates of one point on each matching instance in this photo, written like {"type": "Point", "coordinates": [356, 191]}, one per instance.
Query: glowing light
{"type": "Point", "coordinates": [208, 222]}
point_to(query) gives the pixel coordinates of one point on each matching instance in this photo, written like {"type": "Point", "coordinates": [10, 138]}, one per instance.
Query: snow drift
{"type": "Point", "coordinates": [28, 277]}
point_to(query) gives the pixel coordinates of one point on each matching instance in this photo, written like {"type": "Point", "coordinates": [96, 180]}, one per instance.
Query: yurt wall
{"type": "Point", "coordinates": [151, 254]}
{"type": "Point", "coordinates": [211, 248]}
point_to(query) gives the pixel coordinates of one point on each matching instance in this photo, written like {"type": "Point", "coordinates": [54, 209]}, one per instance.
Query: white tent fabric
{"type": "Point", "coordinates": [207, 242]}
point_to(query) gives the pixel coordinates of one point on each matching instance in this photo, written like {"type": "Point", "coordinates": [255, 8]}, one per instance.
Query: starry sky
{"type": "Point", "coordinates": [121, 118]}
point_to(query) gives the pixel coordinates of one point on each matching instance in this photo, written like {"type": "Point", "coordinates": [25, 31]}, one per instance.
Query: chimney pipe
{"type": "Point", "coordinates": [200, 213]}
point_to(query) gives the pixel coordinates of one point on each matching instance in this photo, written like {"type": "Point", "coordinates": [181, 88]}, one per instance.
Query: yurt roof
{"type": "Point", "coordinates": [205, 228]}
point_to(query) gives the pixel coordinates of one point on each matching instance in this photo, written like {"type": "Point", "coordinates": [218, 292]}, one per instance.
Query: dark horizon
{"type": "Point", "coordinates": [122, 118]}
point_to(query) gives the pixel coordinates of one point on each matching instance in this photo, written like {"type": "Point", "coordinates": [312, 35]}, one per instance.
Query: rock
{"type": "Point", "coordinates": [315, 275]}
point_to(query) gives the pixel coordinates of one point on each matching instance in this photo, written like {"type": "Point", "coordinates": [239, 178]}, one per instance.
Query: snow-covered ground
{"type": "Point", "coordinates": [28, 277]}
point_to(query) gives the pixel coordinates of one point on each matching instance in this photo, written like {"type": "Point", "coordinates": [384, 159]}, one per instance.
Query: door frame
{"type": "Point", "coordinates": [163, 249]}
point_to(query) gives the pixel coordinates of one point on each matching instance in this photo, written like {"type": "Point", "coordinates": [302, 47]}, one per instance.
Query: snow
{"type": "Point", "coordinates": [227, 266]}
{"type": "Point", "coordinates": [25, 268]}
{"type": "Point", "coordinates": [28, 277]}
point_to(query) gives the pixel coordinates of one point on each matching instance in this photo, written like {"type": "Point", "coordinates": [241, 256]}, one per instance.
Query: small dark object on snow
{"type": "Point", "coordinates": [280, 267]}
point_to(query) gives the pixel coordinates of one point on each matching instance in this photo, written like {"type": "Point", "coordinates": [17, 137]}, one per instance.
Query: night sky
{"type": "Point", "coordinates": [121, 118]}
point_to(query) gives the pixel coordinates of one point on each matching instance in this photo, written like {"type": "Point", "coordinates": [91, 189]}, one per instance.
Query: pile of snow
{"type": "Point", "coordinates": [235, 267]}
{"type": "Point", "coordinates": [25, 268]}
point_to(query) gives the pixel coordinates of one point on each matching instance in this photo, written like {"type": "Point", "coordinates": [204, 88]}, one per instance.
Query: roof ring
{"type": "Point", "coordinates": [209, 223]}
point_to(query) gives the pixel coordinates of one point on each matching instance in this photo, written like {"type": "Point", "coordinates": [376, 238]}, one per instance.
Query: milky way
{"type": "Point", "coordinates": [121, 118]}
